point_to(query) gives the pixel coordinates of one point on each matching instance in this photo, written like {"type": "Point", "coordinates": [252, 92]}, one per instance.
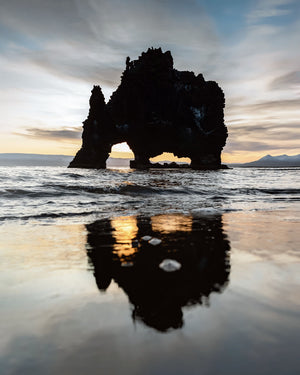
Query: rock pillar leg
{"type": "Point", "coordinates": [207, 161]}
{"type": "Point", "coordinates": [91, 158]}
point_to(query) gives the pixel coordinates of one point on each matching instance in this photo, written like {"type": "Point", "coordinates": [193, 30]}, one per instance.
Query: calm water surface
{"type": "Point", "coordinates": [83, 291]}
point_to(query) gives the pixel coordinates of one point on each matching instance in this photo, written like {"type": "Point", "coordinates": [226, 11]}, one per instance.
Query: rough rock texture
{"type": "Point", "coordinates": [156, 109]}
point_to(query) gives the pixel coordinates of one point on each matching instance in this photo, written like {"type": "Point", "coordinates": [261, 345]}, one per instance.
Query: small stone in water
{"type": "Point", "coordinates": [155, 241]}
{"type": "Point", "coordinates": [127, 264]}
{"type": "Point", "coordinates": [170, 265]}
{"type": "Point", "coordinates": [146, 238]}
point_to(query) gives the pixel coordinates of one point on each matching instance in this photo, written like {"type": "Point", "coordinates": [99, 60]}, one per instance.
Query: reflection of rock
{"type": "Point", "coordinates": [199, 245]}
{"type": "Point", "coordinates": [156, 109]}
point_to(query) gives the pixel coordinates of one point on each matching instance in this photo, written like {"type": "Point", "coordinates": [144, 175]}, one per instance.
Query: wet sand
{"type": "Point", "coordinates": [92, 298]}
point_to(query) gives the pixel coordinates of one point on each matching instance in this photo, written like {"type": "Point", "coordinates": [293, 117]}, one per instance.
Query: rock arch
{"type": "Point", "coordinates": [156, 109]}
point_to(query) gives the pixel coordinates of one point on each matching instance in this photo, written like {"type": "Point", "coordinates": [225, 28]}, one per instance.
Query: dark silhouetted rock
{"type": "Point", "coordinates": [156, 109]}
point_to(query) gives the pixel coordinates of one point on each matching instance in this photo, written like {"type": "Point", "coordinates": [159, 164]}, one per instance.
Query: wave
{"type": "Point", "coordinates": [279, 191]}
{"type": "Point", "coordinates": [140, 189]}
{"type": "Point", "coordinates": [71, 175]}
{"type": "Point", "coordinates": [119, 189]}
{"type": "Point", "coordinates": [22, 193]}
{"type": "Point", "coordinates": [48, 215]}
{"type": "Point", "coordinates": [258, 191]}
{"type": "Point", "coordinates": [59, 190]}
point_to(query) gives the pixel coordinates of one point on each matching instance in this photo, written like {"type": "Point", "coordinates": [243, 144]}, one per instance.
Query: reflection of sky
{"type": "Point", "coordinates": [125, 230]}
{"type": "Point", "coordinates": [52, 55]}
{"type": "Point", "coordinates": [171, 223]}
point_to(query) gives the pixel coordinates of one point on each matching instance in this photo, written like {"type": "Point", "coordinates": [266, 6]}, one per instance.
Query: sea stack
{"type": "Point", "coordinates": [156, 109]}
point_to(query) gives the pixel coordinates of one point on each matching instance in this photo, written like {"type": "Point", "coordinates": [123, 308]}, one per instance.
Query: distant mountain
{"type": "Point", "coordinates": [37, 160]}
{"type": "Point", "coordinates": [34, 160]}
{"type": "Point", "coordinates": [162, 162]}
{"type": "Point", "coordinates": [275, 161]}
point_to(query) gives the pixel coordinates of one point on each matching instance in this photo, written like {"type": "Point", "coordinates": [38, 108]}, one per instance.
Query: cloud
{"type": "Point", "coordinates": [269, 8]}
{"type": "Point", "coordinates": [270, 125]}
{"type": "Point", "coordinates": [263, 50]}
{"type": "Point", "coordinates": [258, 146]}
{"type": "Point", "coordinates": [287, 81]}
{"type": "Point", "coordinates": [53, 134]}
{"type": "Point", "coordinates": [269, 120]}
{"type": "Point", "coordinates": [268, 106]}
{"type": "Point", "coordinates": [86, 71]}
{"type": "Point", "coordinates": [253, 146]}
{"type": "Point", "coordinates": [90, 40]}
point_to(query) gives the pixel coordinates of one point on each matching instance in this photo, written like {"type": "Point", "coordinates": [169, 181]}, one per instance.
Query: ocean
{"type": "Point", "coordinates": [169, 271]}
{"type": "Point", "coordinates": [57, 194]}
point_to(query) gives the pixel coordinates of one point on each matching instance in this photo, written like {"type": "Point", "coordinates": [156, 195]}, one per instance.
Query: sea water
{"type": "Point", "coordinates": [50, 194]}
{"type": "Point", "coordinates": [83, 289]}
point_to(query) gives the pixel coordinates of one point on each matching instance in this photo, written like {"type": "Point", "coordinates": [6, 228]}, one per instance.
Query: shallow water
{"type": "Point", "coordinates": [83, 292]}
{"type": "Point", "coordinates": [50, 194]}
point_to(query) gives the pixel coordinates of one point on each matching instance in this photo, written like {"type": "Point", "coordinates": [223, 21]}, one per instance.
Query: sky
{"type": "Point", "coordinates": [53, 52]}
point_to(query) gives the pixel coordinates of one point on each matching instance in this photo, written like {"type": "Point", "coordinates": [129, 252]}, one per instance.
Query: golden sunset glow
{"type": "Point", "coordinates": [171, 223]}
{"type": "Point", "coordinates": [124, 231]}
{"type": "Point", "coordinates": [121, 155]}
{"type": "Point", "coordinates": [169, 157]}
{"type": "Point", "coordinates": [35, 247]}
{"type": "Point", "coordinates": [265, 230]}
{"type": "Point", "coordinates": [39, 146]}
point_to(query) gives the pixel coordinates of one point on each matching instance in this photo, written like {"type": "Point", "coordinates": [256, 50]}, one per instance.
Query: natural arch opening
{"type": "Point", "coordinates": [168, 158]}
{"type": "Point", "coordinates": [120, 156]}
